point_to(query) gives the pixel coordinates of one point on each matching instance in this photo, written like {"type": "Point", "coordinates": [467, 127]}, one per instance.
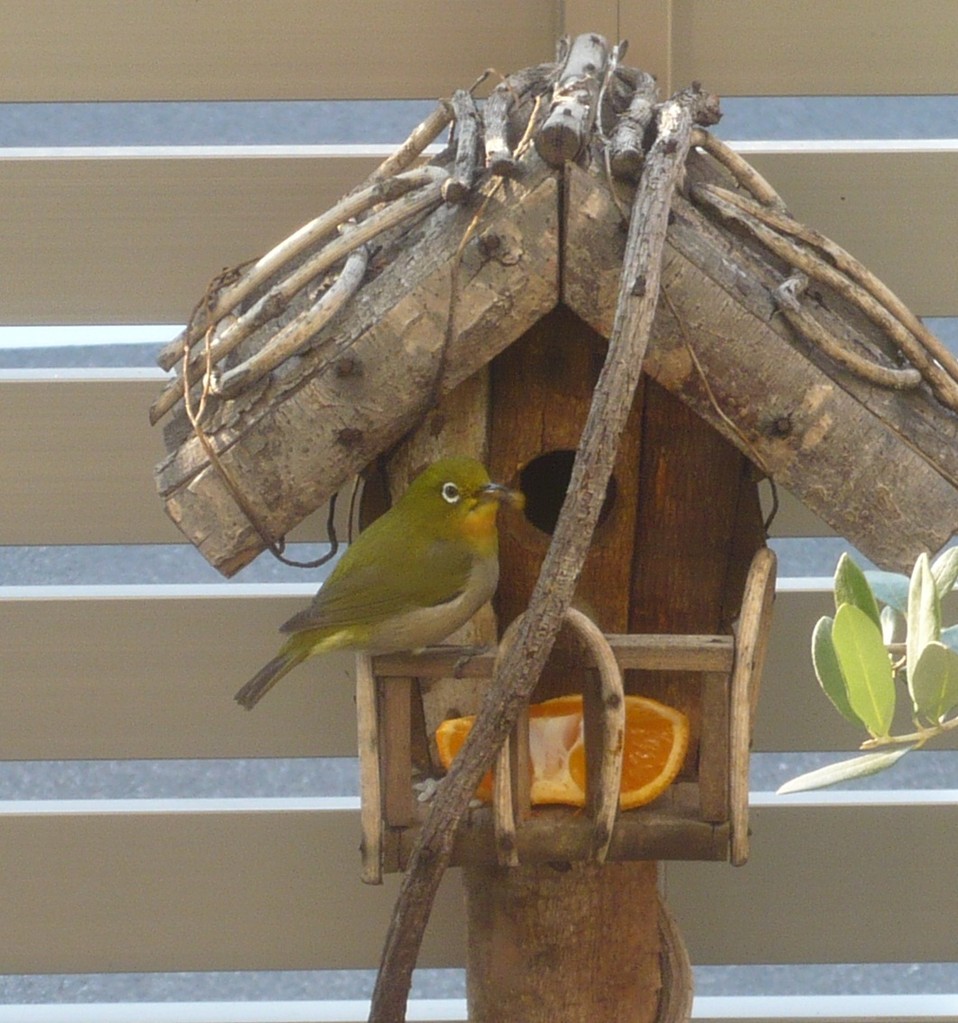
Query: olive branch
{"type": "Point", "coordinates": [860, 664]}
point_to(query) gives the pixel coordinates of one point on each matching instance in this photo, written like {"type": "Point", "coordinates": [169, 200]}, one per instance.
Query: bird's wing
{"type": "Point", "coordinates": [370, 591]}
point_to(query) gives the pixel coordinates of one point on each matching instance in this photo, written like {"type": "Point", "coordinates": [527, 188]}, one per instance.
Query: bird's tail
{"type": "Point", "coordinates": [267, 677]}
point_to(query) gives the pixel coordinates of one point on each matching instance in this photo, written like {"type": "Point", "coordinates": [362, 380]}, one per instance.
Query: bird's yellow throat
{"type": "Point", "coordinates": [479, 526]}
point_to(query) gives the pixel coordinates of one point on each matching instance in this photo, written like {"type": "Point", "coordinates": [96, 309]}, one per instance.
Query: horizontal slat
{"type": "Point", "coordinates": [263, 49]}
{"type": "Point", "coordinates": [162, 685]}
{"type": "Point", "coordinates": [205, 891]}
{"type": "Point", "coordinates": [110, 679]}
{"type": "Point", "coordinates": [847, 191]}
{"type": "Point", "coordinates": [89, 892]}
{"type": "Point", "coordinates": [434, 1010]}
{"type": "Point", "coordinates": [191, 216]}
{"type": "Point", "coordinates": [83, 442]}
{"type": "Point", "coordinates": [826, 884]}
{"type": "Point", "coordinates": [418, 1010]}
{"type": "Point", "coordinates": [909, 1008]}
{"type": "Point", "coordinates": [137, 240]}
{"type": "Point", "coordinates": [70, 427]}
{"type": "Point", "coordinates": [78, 461]}
{"type": "Point", "coordinates": [791, 517]}
{"type": "Point", "coordinates": [815, 47]}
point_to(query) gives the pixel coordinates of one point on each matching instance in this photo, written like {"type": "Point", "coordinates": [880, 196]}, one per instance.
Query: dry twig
{"type": "Point", "coordinates": [855, 269]}
{"type": "Point", "coordinates": [460, 181]}
{"type": "Point", "coordinates": [802, 258]}
{"type": "Point", "coordinates": [428, 184]}
{"type": "Point", "coordinates": [740, 169]}
{"type": "Point", "coordinates": [552, 596]}
{"type": "Point", "coordinates": [786, 297]}
{"type": "Point", "coordinates": [500, 109]}
{"type": "Point", "coordinates": [291, 338]}
{"type": "Point", "coordinates": [410, 151]}
{"type": "Point", "coordinates": [627, 144]}
{"type": "Point", "coordinates": [566, 129]}
{"type": "Point", "coordinates": [245, 281]}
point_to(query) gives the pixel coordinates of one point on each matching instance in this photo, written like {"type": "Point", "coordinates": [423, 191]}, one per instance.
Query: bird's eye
{"type": "Point", "coordinates": [450, 492]}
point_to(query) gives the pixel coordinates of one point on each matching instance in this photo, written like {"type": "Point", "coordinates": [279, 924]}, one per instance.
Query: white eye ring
{"type": "Point", "coordinates": [450, 493]}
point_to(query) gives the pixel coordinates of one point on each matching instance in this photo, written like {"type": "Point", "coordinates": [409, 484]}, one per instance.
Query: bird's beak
{"type": "Point", "coordinates": [497, 492]}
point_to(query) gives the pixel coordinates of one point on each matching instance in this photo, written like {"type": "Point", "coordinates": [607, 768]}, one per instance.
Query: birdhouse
{"type": "Point", "coordinates": [679, 588]}
{"type": "Point", "coordinates": [478, 304]}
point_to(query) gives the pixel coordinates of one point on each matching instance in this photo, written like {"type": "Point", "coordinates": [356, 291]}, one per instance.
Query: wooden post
{"type": "Point", "coordinates": [561, 573]}
{"type": "Point", "coordinates": [574, 942]}
{"type": "Point", "coordinates": [562, 943]}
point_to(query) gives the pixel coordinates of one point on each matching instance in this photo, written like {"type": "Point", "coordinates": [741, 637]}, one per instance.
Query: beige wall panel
{"type": "Point", "coordinates": [154, 678]}
{"type": "Point", "coordinates": [111, 679]}
{"type": "Point", "coordinates": [839, 884]}
{"type": "Point", "coordinates": [137, 240]}
{"type": "Point", "coordinates": [263, 49]}
{"type": "Point", "coordinates": [816, 47]}
{"type": "Point", "coordinates": [647, 24]}
{"type": "Point", "coordinates": [152, 232]}
{"type": "Point", "coordinates": [78, 464]}
{"type": "Point", "coordinates": [886, 208]}
{"type": "Point", "coordinates": [295, 49]}
{"type": "Point", "coordinates": [203, 891]}
{"type": "Point", "coordinates": [602, 16]}
{"type": "Point", "coordinates": [280, 890]}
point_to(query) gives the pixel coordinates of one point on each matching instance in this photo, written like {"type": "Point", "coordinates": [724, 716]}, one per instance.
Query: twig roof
{"type": "Point", "coordinates": [308, 363]}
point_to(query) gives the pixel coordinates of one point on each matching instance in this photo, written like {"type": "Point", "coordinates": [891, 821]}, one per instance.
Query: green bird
{"type": "Point", "coordinates": [409, 580]}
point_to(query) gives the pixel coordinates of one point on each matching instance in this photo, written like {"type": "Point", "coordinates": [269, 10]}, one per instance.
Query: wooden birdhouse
{"type": "Point", "coordinates": [500, 301]}
{"type": "Point", "coordinates": [667, 579]}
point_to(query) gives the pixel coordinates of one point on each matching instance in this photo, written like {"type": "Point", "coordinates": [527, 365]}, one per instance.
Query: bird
{"type": "Point", "coordinates": [411, 578]}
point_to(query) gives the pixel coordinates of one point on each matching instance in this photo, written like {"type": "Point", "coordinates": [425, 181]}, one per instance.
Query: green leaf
{"type": "Point", "coordinates": [845, 770]}
{"type": "Point", "coordinates": [924, 617]}
{"type": "Point", "coordinates": [851, 587]}
{"type": "Point", "coordinates": [890, 588]}
{"type": "Point", "coordinates": [945, 571]}
{"type": "Point", "coordinates": [866, 668]}
{"type": "Point", "coordinates": [828, 671]}
{"type": "Point", "coordinates": [935, 684]}
{"type": "Point", "coordinates": [889, 624]}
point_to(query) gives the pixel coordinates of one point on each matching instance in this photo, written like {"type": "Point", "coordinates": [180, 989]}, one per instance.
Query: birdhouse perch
{"type": "Point", "coordinates": [704, 817]}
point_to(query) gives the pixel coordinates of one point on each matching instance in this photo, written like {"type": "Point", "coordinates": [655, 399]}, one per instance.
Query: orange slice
{"type": "Point", "coordinates": [656, 738]}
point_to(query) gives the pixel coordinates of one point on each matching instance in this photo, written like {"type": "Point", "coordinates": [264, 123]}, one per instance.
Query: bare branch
{"type": "Point", "coordinates": [460, 182]}
{"type": "Point", "coordinates": [500, 112]}
{"type": "Point", "coordinates": [574, 101]}
{"type": "Point", "coordinates": [522, 664]}
{"type": "Point", "coordinates": [627, 145]}
{"type": "Point", "coordinates": [856, 270]}
{"type": "Point", "coordinates": [291, 338]}
{"type": "Point", "coordinates": [276, 299]}
{"type": "Point", "coordinates": [420, 137]}
{"type": "Point", "coordinates": [786, 297]}
{"type": "Point", "coordinates": [802, 258]}
{"type": "Point", "coordinates": [740, 169]}
{"type": "Point", "coordinates": [240, 288]}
